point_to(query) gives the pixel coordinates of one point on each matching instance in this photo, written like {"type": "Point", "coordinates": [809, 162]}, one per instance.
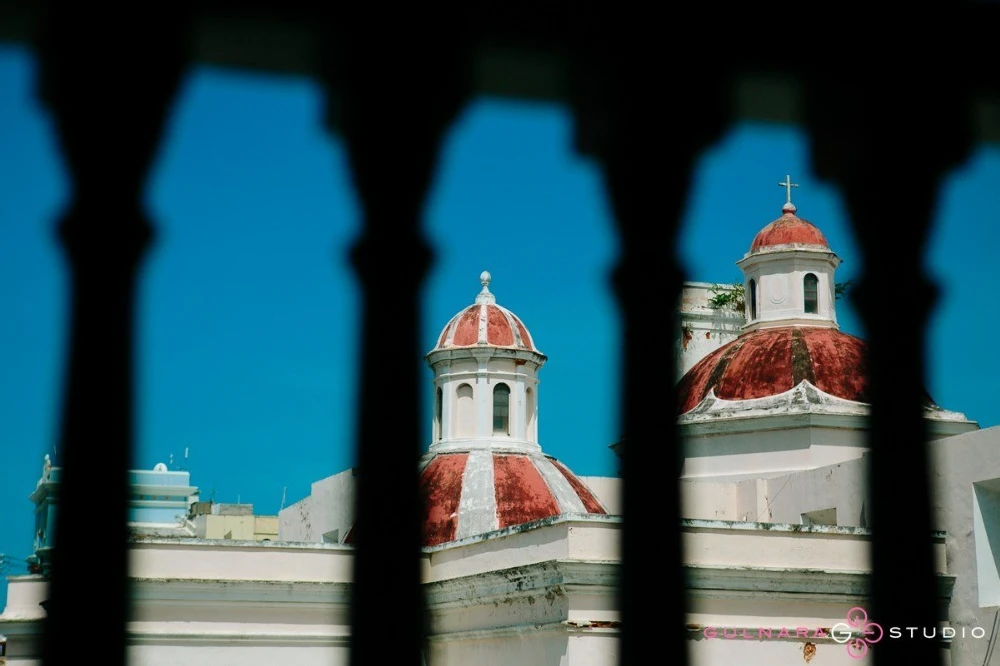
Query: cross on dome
{"type": "Point", "coordinates": [789, 207]}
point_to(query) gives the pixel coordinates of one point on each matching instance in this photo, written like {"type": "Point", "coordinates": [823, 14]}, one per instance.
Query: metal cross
{"type": "Point", "coordinates": [788, 185]}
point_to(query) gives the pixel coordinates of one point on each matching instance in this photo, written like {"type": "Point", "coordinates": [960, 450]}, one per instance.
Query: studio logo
{"type": "Point", "coordinates": [857, 634]}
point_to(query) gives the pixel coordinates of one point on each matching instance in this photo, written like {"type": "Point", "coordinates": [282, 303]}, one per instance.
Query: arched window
{"type": "Point", "coordinates": [810, 287]}
{"type": "Point", "coordinates": [465, 416]}
{"type": "Point", "coordinates": [501, 409]}
{"type": "Point", "coordinates": [438, 407]}
{"type": "Point", "coordinates": [752, 287]}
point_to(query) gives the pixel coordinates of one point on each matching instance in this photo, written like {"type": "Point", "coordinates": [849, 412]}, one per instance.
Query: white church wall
{"type": "Point", "coordinates": [781, 290]}
{"type": "Point", "coordinates": [963, 465]}
{"type": "Point", "coordinates": [541, 595]}
{"type": "Point", "coordinates": [782, 499]}
{"type": "Point", "coordinates": [748, 448]}
{"type": "Point", "coordinates": [210, 602]}
{"type": "Point", "coordinates": [557, 645]}
{"type": "Point", "coordinates": [197, 559]}
{"type": "Point", "coordinates": [526, 647]}
{"type": "Point", "coordinates": [703, 329]}
{"type": "Point", "coordinates": [20, 622]}
{"type": "Point", "coordinates": [497, 604]}
{"type": "Point", "coordinates": [593, 646]}
{"type": "Point", "coordinates": [707, 500]}
{"type": "Point", "coordinates": [841, 487]}
{"type": "Point", "coordinates": [779, 546]}
{"type": "Point", "coordinates": [154, 654]}
{"type": "Point", "coordinates": [607, 490]}
{"type": "Point", "coordinates": [751, 501]}
{"type": "Point", "coordinates": [325, 516]}
{"type": "Point", "coordinates": [589, 537]}
{"type": "Point", "coordinates": [24, 597]}
{"type": "Point", "coordinates": [769, 652]}
{"type": "Point", "coordinates": [767, 594]}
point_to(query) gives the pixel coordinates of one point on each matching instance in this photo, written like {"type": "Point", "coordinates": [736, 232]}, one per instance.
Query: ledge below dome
{"type": "Point", "coordinates": [800, 429]}
{"type": "Point", "coordinates": [803, 398]}
{"type": "Point", "coordinates": [497, 445]}
{"type": "Point", "coordinates": [801, 321]}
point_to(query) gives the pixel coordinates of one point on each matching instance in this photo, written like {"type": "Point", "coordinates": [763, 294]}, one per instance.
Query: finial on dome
{"type": "Point", "coordinates": [485, 296]}
{"type": "Point", "coordinates": [789, 207]}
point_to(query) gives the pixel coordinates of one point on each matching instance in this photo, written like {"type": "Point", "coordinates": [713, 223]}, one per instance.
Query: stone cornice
{"type": "Point", "coordinates": [591, 518]}
{"type": "Point", "coordinates": [707, 582]}
{"type": "Point", "coordinates": [554, 576]}
{"type": "Point", "coordinates": [484, 352]}
{"type": "Point", "coordinates": [212, 592]}
{"type": "Point", "coordinates": [804, 405]}
{"type": "Point", "coordinates": [790, 252]}
{"type": "Point", "coordinates": [229, 639]}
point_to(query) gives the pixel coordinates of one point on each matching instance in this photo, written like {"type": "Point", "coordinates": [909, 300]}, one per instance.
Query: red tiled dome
{"type": "Point", "coordinates": [485, 324]}
{"type": "Point", "coordinates": [771, 361]}
{"type": "Point", "coordinates": [788, 229]}
{"type": "Point", "coordinates": [473, 492]}
{"type": "Point", "coordinates": [467, 493]}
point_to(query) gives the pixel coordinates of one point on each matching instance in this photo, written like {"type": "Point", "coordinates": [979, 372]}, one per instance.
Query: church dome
{"type": "Point", "coordinates": [485, 470]}
{"type": "Point", "coordinates": [473, 492]}
{"type": "Point", "coordinates": [485, 324]}
{"type": "Point", "coordinates": [469, 493]}
{"type": "Point", "coordinates": [767, 362]}
{"type": "Point", "coordinates": [788, 230]}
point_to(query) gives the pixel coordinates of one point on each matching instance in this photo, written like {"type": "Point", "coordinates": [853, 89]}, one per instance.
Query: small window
{"type": "Point", "coordinates": [438, 402]}
{"type": "Point", "coordinates": [810, 284]}
{"type": "Point", "coordinates": [465, 417]}
{"type": "Point", "coordinates": [501, 410]}
{"type": "Point", "coordinates": [752, 288]}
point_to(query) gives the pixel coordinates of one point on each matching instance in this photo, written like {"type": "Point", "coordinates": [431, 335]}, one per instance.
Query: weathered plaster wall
{"type": "Point", "coordinates": [328, 510]}
{"type": "Point", "coordinates": [961, 463]}
{"type": "Point", "coordinates": [703, 329]}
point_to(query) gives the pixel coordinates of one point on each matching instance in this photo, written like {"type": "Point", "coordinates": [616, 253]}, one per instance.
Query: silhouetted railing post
{"type": "Point", "coordinates": [647, 120]}
{"type": "Point", "coordinates": [108, 89]}
{"type": "Point", "coordinates": [394, 90]}
{"type": "Point", "coordinates": [887, 140]}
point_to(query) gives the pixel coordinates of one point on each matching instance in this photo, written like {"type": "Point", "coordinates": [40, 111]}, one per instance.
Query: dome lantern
{"type": "Point", "coordinates": [485, 367]}
{"type": "Point", "coordinates": [485, 470]}
{"type": "Point", "coordinates": [788, 273]}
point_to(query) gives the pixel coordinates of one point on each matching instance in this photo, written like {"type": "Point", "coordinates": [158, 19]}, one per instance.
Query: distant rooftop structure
{"type": "Point", "coordinates": [162, 503]}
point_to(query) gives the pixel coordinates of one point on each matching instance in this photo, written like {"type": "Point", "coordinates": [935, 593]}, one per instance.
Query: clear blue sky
{"type": "Point", "coordinates": [248, 320]}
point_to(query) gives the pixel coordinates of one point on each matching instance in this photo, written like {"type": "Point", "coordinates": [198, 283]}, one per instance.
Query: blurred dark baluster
{"type": "Point", "coordinates": [394, 88]}
{"type": "Point", "coordinates": [108, 81]}
{"type": "Point", "coordinates": [646, 118]}
{"type": "Point", "coordinates": [887, 135]}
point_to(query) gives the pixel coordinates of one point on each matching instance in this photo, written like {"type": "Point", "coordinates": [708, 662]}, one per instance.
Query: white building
{"type": "Point", "coordinates": [521, 556]}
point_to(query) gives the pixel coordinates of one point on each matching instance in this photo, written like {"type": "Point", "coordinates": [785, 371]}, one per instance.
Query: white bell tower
{"type": "Point", "coordinates": [485, 380]}
{"type": "Point", "coordinates": [788, 274]}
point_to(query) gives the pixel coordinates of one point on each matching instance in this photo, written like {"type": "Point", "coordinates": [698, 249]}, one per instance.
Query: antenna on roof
{"type": "Point", "coordinates": [170, 462]}
{"type": "Point", "coordinates": [285, 490]}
